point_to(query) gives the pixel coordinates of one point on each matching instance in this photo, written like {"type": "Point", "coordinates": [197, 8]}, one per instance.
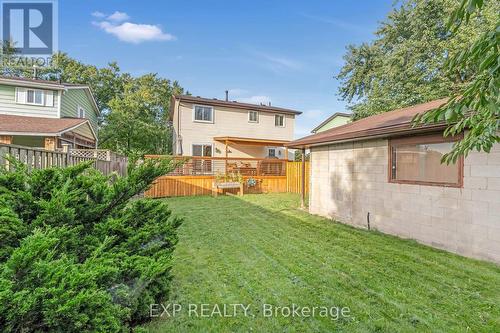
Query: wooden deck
{"type": "Point", "coordinates": [182, 182]}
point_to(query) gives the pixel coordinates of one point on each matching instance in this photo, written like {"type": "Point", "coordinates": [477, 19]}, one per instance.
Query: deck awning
{"type": "Point", "coordinates": [251, 141]}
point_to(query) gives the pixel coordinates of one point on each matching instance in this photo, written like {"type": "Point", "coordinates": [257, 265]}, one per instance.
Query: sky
{"type": "Point", "coordinates": [283, 52]}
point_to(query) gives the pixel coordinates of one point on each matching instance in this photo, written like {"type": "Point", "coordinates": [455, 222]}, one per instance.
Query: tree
{"type": "Point", "coordinates": [475, 108]}
{"type": "Point", "coordinates": [138, 122]}
{"type": "Point", "coordinates": [405, 64]}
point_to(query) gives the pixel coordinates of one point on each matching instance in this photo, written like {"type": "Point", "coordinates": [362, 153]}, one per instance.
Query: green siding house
{"type": "Point", "coordinates": [335, 120]}
{"type": "Point", "coordinates": [47, 114]}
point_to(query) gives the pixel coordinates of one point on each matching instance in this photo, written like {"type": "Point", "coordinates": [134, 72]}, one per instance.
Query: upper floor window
{"type": "Point", "coordinates": [35, 96]}
{"type": "Point", "coordinates": [204, 113]}
{"type": "Point", "coordinates": [417, 160]}
{"type": "Point", "coordinates": [279, 120]}
{"type": "Point", "coordinates": [80, 112]}
{"type": "Point", "coordinates": [271, 152]}
{"type": "Point", "coordinates": [253, 116]}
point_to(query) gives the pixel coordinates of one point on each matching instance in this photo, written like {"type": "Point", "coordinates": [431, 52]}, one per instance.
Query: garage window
{"type": "Point", "coordinates": [417, 160]}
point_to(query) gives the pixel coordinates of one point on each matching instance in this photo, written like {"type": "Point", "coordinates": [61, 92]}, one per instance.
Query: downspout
{"type": "Point", "coordinates": [179, 136]}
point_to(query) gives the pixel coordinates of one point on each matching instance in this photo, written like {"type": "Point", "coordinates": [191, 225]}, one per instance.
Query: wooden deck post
{"type": "Point", "coordinates": [225, 171]}
{"type": "Point", "coordinates": [303, 180]}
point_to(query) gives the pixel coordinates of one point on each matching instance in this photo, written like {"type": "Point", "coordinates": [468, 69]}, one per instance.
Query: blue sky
{"type": "Point", "coordinates": [286, 52]}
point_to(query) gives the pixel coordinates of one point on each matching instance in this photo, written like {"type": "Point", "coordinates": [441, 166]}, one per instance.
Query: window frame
{"type": "Point", "coordinates": [279, 115]}
{"type": "Point", "coordinates": [203, 121]}
{"type": "Point", "coordinates": [78, 109]}
{"type": "Point", "coordinates": [203, 145]}
{"type": "Point", "coordinates": [424, 139]}
{"type": "Point", "coordinates": [253, 121]}
{"type": "Point", "coordinates": [269, 151]}
{"type": "Point", "coordinates": [34, 96]}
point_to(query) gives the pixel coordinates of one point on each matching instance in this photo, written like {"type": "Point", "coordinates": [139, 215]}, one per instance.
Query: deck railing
{"type": "Point", "coordinates": [207, 166]}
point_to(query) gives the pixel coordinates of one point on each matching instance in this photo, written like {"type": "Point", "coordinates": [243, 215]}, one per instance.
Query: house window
{"type": "Point", "coordinates": [203, 113]}
{"type": "Point", "coordinates": [253, 116]}
{"type": "Point", "coordinates": [279, 120]}
{"type": "Point", "coordinates": [417, 160]}
{"type": "Point", "coordinates": [202, 166]}
{"type": "Point", "coordinates": [202, 150]}
{"type": "Point", "coordinates": [34, 96]}
{"type": "Point", "coordinates": [271, 152]}
{"type": "Point", "coordinates": [80, 112]}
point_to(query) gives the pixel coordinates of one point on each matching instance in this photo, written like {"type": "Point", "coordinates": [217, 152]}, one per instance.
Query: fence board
{"type": "Point", "coordinates": [293, 177]}
{"type": "Point", "coordinates": [39, 158]}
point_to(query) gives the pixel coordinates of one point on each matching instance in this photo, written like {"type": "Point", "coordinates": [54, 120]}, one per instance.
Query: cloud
{"type": "Point", "coordinates": [257, 99]}
{"type": "Point", "coordinates": [118, 17]}
{"type": "Point", "coordinates": [130, 32]}
{"type": "Point", "coordinates": [98, 14]}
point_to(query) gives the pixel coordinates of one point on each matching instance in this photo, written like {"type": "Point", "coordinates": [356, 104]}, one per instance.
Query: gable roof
{"type": "Point", "coordinates": [234, 104]}
{"type": "Point", "coordinates": [46, 84]}
{"type": "Point", "coordinates": [381, 125]}
{"type": "Point", "coordinates": [22, 125]}
{"type": "Point", "coordinates": [327, 120]}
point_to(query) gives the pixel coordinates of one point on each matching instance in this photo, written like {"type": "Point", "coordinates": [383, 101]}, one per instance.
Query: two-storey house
{"type": "Point", "coordinates": [222, 128]}
{"type": "Point", "coordinates": [47, 114]}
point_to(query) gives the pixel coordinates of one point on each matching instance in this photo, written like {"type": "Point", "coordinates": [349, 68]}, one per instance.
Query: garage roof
{"type": "Point", "coordinates": [381, 125]}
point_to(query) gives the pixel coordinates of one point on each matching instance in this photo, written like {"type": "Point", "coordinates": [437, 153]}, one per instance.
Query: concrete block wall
{"type": "Point", "coordinates": [350, 180]}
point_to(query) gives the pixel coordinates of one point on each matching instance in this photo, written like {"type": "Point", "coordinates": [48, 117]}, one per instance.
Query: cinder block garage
{"type": "Point", "coordinates": [382, 173]}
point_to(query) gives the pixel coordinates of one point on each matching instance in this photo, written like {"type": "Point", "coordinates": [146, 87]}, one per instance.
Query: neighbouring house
{"type": "Point", "coordinates": [47, 114]}
{"type": "Point", "coordinates": [382, 173]}
{"type": "Point", "coordinates": [335, 120]}
{"type": "Point", "coordinates": [206, 127]}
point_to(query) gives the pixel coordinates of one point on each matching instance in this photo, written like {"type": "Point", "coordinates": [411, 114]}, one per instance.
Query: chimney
{"type": "Point", "coordinates": [269, 103]}
{"type": "Point", "coordinates": [227, 95]}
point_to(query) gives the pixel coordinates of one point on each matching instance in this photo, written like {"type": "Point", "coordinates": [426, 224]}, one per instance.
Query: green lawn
{"type": "Point", "coordinates": [262, 249]}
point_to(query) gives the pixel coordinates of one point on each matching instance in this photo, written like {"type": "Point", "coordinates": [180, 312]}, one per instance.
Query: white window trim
{"type": "Point", "coordinates": [34, 92]}
{"type": "Point", "coordinates": [203, 121]}
{"type": "Point", "coordinates": [253, 121]}
{"type": "Point", "coordinates": [284, 120]}
{"type": "Point", "coordinates": [202, 144]}
{"type": "Point", "coordinates": [78, 108]}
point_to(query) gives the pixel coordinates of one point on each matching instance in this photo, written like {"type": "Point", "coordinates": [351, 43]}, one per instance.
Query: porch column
{"type": "Point", "coordinates": [6, 139]}
{"type": "Point", "coordinates": [303, 179]}
{"type": "Point", "coordinates": [226, 156]}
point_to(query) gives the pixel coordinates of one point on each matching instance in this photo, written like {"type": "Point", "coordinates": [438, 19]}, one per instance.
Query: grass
{"type": "Point", "coordinates": [262, 249]}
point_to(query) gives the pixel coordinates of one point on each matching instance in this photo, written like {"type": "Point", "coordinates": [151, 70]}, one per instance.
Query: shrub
{"type": "Point", "coordinates": [78, 253]}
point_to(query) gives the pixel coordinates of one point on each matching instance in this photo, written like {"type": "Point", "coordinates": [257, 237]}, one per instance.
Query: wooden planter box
{"type": "Point", "coordinates": [226, 185]}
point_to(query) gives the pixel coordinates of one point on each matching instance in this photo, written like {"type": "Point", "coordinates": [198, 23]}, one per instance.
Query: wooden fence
{"type": "Point", "coordinates": [38, 158]}
{"type": "Point", "coordinates": [293, 177]}
{"type": "Point", "coordinates": [195, 178]}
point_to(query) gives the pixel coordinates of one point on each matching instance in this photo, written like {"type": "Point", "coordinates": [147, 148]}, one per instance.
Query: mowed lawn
{"type": "Point", "coordinates": [261, 249]}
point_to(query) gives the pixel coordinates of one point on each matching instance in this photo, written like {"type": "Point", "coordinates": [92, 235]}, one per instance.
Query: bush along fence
{"type": "Point", "coordinates": [38, 158]}
{"type": "Point", "coordinates": [197, 175]}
